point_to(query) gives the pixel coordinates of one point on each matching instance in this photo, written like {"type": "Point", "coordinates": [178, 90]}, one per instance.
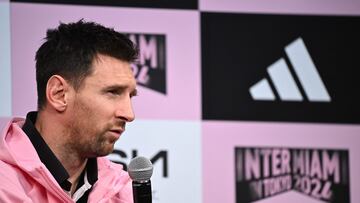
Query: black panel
{"type": "Point", "coordinates": [237, 49]}
{"type": "Point", "coordinates": [178, 4]}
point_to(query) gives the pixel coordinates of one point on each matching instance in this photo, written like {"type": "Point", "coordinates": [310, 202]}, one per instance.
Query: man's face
{"type": "Point", "coordinates": [101, 107]}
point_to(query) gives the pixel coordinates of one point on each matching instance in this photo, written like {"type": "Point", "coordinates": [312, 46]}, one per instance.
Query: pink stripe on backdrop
{"type": "Point", "coordinates": [220, 139]}
{"type": "Point", "coordinates": [316, 7]}
{"type": "Point", "coordinates": [29, 25]}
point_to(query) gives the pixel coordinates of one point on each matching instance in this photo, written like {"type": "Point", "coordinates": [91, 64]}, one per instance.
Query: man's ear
{"type": "Point", "coordinates": [57, 89]}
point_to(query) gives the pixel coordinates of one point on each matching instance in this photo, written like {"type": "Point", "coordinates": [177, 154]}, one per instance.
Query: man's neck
{"type": "Point", "coordinates": [74, 166]}
{"type": "Point", "coordinates": [74, 179]}
{"type": "Point", "coordinates": [55, 138]}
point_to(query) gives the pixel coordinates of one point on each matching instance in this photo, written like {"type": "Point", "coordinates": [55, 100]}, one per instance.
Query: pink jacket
{"type": "Point", "coordinates": [24, 178]}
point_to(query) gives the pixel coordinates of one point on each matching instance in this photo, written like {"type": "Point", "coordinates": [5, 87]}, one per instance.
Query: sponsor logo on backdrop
{"type": "Point", "coordinates": [160, 157]}
{"type": "Point", "coordinates": [150, 69]}
{"type": "Point", "coordinates": [264, 172]}
{"type": "Point", "coordinates": [287, 68]}
{"type": "Point", "coordinates": [284, 82]}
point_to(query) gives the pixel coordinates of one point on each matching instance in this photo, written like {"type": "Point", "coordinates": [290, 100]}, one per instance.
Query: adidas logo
{"type": "Point", "coordinates": [284, 82]}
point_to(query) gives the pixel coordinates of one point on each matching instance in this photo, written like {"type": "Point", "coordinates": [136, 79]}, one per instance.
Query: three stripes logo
{"type": "Point", "coordinates": [284, 83]}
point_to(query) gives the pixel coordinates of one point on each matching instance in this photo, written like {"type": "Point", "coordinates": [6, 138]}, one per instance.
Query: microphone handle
{"type": "Point", "coordinates": [142, 192]}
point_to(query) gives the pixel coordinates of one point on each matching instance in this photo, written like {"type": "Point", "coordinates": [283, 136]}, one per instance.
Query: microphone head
{"type": "Point", "coordinates": [140, 169]}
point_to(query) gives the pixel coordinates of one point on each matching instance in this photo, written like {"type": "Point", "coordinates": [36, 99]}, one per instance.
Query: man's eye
{"type": "Point", "coordinates": [114, 92]}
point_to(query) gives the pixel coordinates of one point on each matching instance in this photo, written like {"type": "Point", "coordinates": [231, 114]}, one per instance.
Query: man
{"type": "Point", "coordinates": [85, 85]}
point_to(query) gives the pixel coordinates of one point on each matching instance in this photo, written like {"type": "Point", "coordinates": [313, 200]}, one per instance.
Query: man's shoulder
{"type": "Point", "coordinates": [6, 124]}
{"type": "Point", "coordinates": [114, 184]}
{"type": "Point", "coordinates": [9, 175]}
{"type": "Point", "coordinates": [18, 186]}
{"type": "Point", "coordinates": [107, 165]}
{"type": "Point", "coordinates": [109, 171]}
{"type": "Point", "coordinates": [5, 167]}
{"type": "Point", "coordinates": [11, 188]}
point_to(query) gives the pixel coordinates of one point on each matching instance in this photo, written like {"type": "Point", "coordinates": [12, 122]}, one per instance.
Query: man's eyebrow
{"type": "Point", "coordinates": [120, 88]}
{"type": "Point", "coordinates": [115, 87]}
{"type": "Point", "coordinates": [134, 93]}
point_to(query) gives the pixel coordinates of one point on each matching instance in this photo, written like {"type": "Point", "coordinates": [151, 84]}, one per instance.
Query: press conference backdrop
{"type": "Point", "coordinates": [239, 101]}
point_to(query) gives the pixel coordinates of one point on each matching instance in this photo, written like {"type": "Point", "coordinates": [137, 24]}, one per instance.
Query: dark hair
{"type": "Point", "coordinates": [70, 49]}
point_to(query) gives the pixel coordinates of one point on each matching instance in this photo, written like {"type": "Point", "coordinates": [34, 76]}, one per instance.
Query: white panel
{"type": "Point", "coordinates": [181, 141]}
{"type": "Point", "coordinates": [5, 71]}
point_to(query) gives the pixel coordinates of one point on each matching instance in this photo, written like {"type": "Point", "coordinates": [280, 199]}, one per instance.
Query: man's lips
{"type": "Point", "coordinates": [115, 134]}
{"type": "Point", "coordinates": [118, 131]}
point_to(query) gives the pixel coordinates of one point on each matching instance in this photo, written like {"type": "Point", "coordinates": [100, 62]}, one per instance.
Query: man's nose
{"type": "Point", "coordinates": [125, 110]}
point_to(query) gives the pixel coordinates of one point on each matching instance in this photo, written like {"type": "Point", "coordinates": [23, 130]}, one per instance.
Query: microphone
{"type": "Point", "coordinates": [140, 170]}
